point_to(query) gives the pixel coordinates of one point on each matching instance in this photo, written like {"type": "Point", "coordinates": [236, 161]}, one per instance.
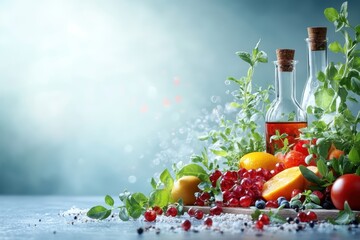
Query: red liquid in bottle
{"type": "Point", "coordinates": [290, 128]}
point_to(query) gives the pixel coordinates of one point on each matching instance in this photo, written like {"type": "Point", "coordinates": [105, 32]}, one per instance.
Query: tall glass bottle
{"type": "Point", "coordinates": [316, 62]}
{"type": "Point", "coordinates": [285, 114]}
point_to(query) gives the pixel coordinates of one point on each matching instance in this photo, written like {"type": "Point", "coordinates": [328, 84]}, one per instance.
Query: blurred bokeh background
{"type": "Point", "coordinates": [99, 96]}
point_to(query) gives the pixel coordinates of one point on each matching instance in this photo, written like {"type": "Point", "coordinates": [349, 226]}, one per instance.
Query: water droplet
{"type": "Point", "coordinates": [132, 179]}
{"type": "Point", "coordinates": [227, 82]}
{"type": "Point", "coordinates": [215, 99]}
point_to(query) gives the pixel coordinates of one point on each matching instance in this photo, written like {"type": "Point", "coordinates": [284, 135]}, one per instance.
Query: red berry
{"type": "Point", "coordinates": [199, 214]}
{"type": "Point", "coordinates": [227, 195]}
{"type": "Point", "coordinates": [319, 194]}
{"type": "Point", "coordinates": [237, 192]}
{"type": "Point", "coordinates": [246, 183]}
{"type": "Point", "coordinates": [208, 222]}
{"type": "Point", "coordinates": [302, 217]}
{"type": "Point", "coordinates": [191, 211]}
{"type": "Point", "coordinates": [172, 211]}
{"type": "Point", "coordinates": [311, 216]}
{"type": "Point", "coordinates": [259, 225]}
{"type": "Point", "coordinates": [226, 184]}
{"type": "Point", "coordinates": [230, 176]}
{"type": "Point", "coordinates": [214, 177]}
{"type": "Point", "coordinates": [217, 210]}
{"type": "Point", "coordinates": [198, 202]}
{"type": "Point", "coordinates": [295, 192]}
{"type": "Point", "coordinates": [233, 202]}
{"type": "Point", "coordinates": [271, 204]}
{"type": "Point", "coordinates": [279, 167]}
{"type": "Point", "coordinates": [264, 219]}
{"type": "Point", "coordinates": [158, 210]}
{"type": "Point", "coordinates": [205, 196]}
{"type": "Point", "coordinates": [241, 172]}
{"type": "Point", "coordinates": [150, 215]}
{"type": "Point", "coordinates": [245, 201]}
{"type": "Point", "coordinates": [186, 225]}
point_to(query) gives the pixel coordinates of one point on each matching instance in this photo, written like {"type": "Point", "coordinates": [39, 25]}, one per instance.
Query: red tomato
{"type": "Point", "coordinates": [299, 146]}
{"type": "Point", "coordinates": [346, 188]}
{"type": "Point", "coordinates": [294, 158]}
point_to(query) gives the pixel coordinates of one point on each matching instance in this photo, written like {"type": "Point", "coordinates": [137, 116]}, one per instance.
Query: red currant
{"type": "Point", "coordinates": [233, 202]}
{"type": "Point", "coordinates": [264, 219]}
{"type": "Point", "coordinates": [172, 211]}
{"type": "Point", "coordinates": [319, 194]}
{"type": "Point", "coordinates": [295, 192]}
{"type": "Point", "coordinates": [208, 222]}
{"type": "Point", "coordinates": [271, 204]}
{"type": "Point", "coordinates": [311, 216]}
{"type": "Point", "coordinates": [217, 210]}
{"type": "Point", "coordinates": [245, 201]}
{"type": "Point", "coordinates": [302, 217]}
{"type": "Point", "coordinates": [158, 210]}
{"type": "Point", "coordinates": [199, 214]}
{"type": "Point", "coordinates": [214, 177]}
{"type": "Point", "coordinates": [186, 225]}
{"type": "Point", "coordinates": [226, 184]}
{"type": "Point", "coordinates": [230, 176]}
{"type": "Point", "coordinates": [150, 215]}
{"type": "Point", "coordinates": [198, 202]}
{"type": "Point", "coordinates": [279, 167]}
{"type": "Point", "coordinates": [191, 211]}
{"type": "Point", "coordinates": [259, 225]}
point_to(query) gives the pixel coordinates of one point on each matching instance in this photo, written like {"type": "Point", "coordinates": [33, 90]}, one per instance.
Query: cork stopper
{"type": "Point", "coordinates": [285, 58]}
{"type": "Point", "coordinates": [317, 38]}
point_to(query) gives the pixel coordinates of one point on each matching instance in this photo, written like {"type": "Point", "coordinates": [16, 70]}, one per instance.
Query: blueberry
{"type": "Point", "coordinates": [285, 203]}
{"type": "Point", "coordinates": [260, 204]}
{"type": "Point", "coordinates": [280, 199]}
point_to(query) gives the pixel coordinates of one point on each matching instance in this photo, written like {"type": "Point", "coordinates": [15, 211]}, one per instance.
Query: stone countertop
{"type": "Point", "coordinates": [51, 217]}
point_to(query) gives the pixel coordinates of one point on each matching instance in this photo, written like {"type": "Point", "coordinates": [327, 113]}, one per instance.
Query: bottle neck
{"type": "Point", "coordinates": [285, 83]}
{"type": "Point", "coordinates": [317, 58]}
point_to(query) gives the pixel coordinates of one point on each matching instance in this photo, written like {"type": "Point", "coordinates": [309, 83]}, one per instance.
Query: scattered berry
{"type": "Point", "coordinates": [150, 215]}
{"type": "Point", "coordinates": [311, 216]}
{"type": "Point", "coordinates": [271, 204]}
{"type": "Point", "coordinates": [302, 217]}
{"type": "Point", "coordinates": [259, 225]}
{"type": "Point", "coordinates": [285, 203]}
{"type": "Point", "coordinates": [191, 211]}
{"type": "Point", "coordinates": [295, 192]}
{"type": "Point", "coordinates": [208, 222]}
{"type": "Point", "coordinates": [199, 214]}
{"type": "Point", "coordinates": [280, 199]}
{"type": "Point", "coordinates": [264, 219]}
{"type": "Point", "coordinates": [172, 211]}
{"type": "Point", "coordinates": [158, 210]}
{"type": "Point", "coordinates": [245, 201]}
{"type": "Point", "coordinates": [217, 210]}
{"type": "Point", "coordinates": [186, 225]}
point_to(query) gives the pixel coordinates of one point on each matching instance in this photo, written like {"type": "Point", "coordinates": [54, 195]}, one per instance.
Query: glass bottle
{"type": "Point", "coordinates": [285, 114]}
{"type": "Point", "coordinates": [316, 62]}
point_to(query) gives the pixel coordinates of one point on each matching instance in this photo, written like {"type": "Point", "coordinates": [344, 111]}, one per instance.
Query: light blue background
{"type": "Point", "coordinates": [98, 96]}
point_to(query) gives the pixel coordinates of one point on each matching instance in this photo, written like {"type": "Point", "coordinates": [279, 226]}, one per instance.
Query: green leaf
{"type": "Point", "coordinates": [323, 169]}
{"type": "Point", "coordinates": [159, 197]}
{"type": "Point", "coordinates": [109, 200]}
{"type": "Point", "coordinates": [245, 56]}
{"type": "Point", "coordinates": [354, 155]}
{"type": "Point", "coordinates": [166, 179]}
{"type": "Point", "coordinates": [314, 198]}
{"type": "Point", "coordinates": [98, 212]}
{"type": "Point", "coordinates": [123, 214]}
{"type": "Point", "coordinates": [153, 183]}
{"type": "Point", "coordinates": [234, 105]}
{"type": "Point", "coordinates": [331, 14]}
{"type": "Point", "coordinates": [220, 153]}
{"type": "Point", "coordinates": [344, 9]}
{"type": "Point", "coordinates": [324, 97]}
{"type": "Point", "coordinates": [321, 76]}
{"type": "Point", "coordinates": [345, 216]}
{"type": "Point", "coordinates": [355, 85]}
{"type": "Point", "coordinates": [310, 175]}
{"type": "Point", "coordinates": [135, 211]}
{"type": "Point", "coordinates": [335, 47]}
{"type": "Point", "coordinates": [140, 198]}
{"type": "Point", "coordinates": [193, 170]}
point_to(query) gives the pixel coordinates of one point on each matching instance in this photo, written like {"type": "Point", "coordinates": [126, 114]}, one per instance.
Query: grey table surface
{"type": "Point", "coordinates": [41, 217]}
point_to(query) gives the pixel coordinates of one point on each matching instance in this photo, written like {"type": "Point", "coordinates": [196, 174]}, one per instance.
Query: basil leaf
{"type": "Point", "coordinates": [98, 212]}
{"type": "Point", "coordinates": [331, 14]}
{"type": "Point", "coordinates": [109, 200]}
{"type": "Point", "coordinates": [193, 170]}
{"type": "Point", "coordinates": [123, 214]}
{"type": "Point", "coordinates": [245, 56]}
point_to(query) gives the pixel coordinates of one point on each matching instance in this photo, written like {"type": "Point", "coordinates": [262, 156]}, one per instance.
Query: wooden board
{"type": "Point", "coordinates": [321, 213]}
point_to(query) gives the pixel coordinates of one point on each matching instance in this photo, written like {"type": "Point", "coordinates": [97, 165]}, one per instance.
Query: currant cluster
{"type": "Point", "coordinates": [239, 188]}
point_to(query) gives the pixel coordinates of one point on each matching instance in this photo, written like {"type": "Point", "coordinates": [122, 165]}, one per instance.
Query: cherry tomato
{"type": "Point", "coordinates": [346, 188]}
{"type": "Point", "coordinates": [294, 158]}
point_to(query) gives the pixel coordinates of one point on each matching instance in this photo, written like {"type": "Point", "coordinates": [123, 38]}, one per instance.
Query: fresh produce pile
{"type": "Point", "coordinates": [321, 171]}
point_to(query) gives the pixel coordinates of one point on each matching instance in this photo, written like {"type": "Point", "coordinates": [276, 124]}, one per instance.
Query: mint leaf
{"type": "Point", "coordinates": [166, 179]}
{"type": "Point", "coordinates": [354, 155]}
{"type": "Point", "coordinates": [310, 175]}
{"type": "Point", "coordinates": [331, 14]}
{"type": "Point", "coordinates": [159, 197]}
{"type": "Point", "coordinates": [323, 169]}
{"type": "Point", "coordinates": [221, 153]}
{"type": "Point", "coordinates": [193, 170]}
{"type": "Point", "coordinates": [245, 56]}
{"type": "Point", "coordinates": [123, 214]}
{"type": "Point", "coordinates": [109, 200]}
{"type": "Point", "coordinates": [335, 47]}
{"type": "Point", "coordinates": [98, 212]}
